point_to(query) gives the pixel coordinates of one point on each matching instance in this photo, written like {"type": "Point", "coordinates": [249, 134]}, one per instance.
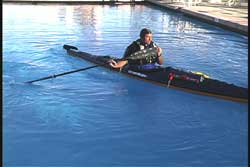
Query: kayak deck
{"type": "Point", "coordinates": [174, 78]}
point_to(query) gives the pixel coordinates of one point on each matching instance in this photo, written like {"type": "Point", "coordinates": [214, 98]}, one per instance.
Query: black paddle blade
{"type": "Point", "coordinates": [68, 47]}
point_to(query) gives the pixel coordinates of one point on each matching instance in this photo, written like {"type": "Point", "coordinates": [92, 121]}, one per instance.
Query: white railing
{"type": "Point", "coordinates": [233, 3]}
{"type": "Point", "coordinates": [190, 2]}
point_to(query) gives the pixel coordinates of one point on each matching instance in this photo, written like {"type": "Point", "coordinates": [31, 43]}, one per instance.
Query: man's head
{"type": "Point", "coordinates": [146, 35]}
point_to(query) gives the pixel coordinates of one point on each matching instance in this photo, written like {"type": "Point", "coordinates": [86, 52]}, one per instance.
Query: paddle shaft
{"type": "Point", "coordinates": [65, 73]}
{"type": "Point", "coordinates": [67, 47]}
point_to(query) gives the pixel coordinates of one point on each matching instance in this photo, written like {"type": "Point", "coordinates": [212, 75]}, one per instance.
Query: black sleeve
{"type": "Point", "coordinates": [132, 48]}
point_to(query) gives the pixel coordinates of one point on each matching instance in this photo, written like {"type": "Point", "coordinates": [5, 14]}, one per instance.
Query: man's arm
{"type": "Point", "coordinates": [118, 64]}
{"type": "Point", "coordinates": [159, 55]}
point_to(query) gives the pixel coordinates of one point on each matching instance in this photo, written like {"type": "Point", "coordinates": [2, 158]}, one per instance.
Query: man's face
{"type": "Point", "coordinates": [147, 38]}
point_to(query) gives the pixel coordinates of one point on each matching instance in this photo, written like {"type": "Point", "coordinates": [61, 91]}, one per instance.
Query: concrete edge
{"type": "Point", "coordinates": [228, 25]}
{"type": "Point", "coordinates": [242, 29]}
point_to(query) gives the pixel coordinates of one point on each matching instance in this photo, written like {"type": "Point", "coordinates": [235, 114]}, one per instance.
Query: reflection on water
{"type": "Point", "coordinates": [187, 43]}
{"type": "Point", "coordinates": [99, 118]}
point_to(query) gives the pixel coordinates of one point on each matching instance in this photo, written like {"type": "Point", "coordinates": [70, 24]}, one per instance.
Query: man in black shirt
{"type": "Point", "coordinates": [145, 42]}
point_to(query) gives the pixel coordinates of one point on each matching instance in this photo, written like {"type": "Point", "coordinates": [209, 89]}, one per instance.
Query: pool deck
{"type": "Point", "coordinates": [231, 18]}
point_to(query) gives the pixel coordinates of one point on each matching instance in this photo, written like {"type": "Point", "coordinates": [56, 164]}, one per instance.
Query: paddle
{"type": "Point", "coordinates": [138, 55]}
{"type": "Point", "coordinates": [67, 47]}
{"type": "Point", "coordinates": [61, 74]}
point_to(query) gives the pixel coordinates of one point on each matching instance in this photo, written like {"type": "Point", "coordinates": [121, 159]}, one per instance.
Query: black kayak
{"type": "Point", "coordinates": [172, 78]}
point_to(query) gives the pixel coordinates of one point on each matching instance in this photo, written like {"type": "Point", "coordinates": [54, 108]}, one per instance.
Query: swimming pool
{"type": "Point", "coordinates": [97, 118]}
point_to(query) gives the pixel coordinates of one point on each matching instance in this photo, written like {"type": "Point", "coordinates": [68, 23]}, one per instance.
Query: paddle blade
{"type": "Point", "coordinates": [68, 47]}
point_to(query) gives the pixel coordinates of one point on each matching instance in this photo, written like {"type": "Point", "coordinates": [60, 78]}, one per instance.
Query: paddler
{"type": "Point", "coordinates": [143, 43]}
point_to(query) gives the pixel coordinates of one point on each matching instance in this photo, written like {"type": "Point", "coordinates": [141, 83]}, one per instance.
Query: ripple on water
{"type": "Point", "coordinates": [96, 113]}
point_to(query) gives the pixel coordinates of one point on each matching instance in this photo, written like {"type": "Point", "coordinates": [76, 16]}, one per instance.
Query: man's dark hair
{"type": "Point", "coordinates": [145, 31]}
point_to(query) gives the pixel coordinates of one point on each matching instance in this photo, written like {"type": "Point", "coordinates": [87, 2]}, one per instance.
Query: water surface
{"type": "Point", "coordinates": [99, 118]}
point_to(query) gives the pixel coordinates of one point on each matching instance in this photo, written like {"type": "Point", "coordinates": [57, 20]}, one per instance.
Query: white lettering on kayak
{"type": "Point", "coordinates": [137, 73]}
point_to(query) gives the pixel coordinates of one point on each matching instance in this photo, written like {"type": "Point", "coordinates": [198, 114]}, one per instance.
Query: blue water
{"type": "Point", "coordinates": [100, 118]}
